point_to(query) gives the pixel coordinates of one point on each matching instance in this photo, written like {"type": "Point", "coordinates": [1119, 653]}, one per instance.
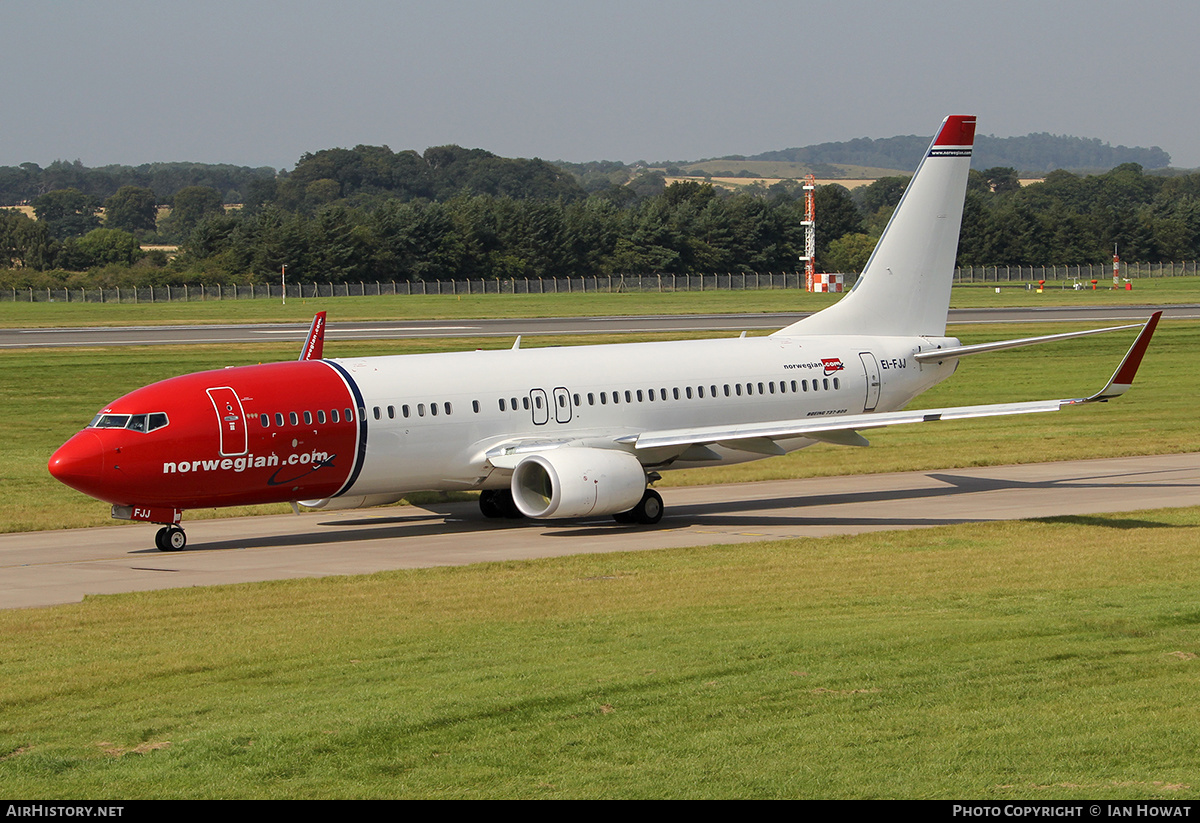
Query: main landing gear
{"type": "Point", "coordinates": [170, 539]}
{"type": "Point", "coordinates": [498, 503]}
{"type": "Point", "coordinates": [647, 512]}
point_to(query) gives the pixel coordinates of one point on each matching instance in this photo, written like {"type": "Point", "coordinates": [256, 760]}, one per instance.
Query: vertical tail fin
{"type": "Point", "coordinates": [905, 287]}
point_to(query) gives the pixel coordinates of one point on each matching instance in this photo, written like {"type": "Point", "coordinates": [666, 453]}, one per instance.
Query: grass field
{"type": "Point", "coordinates": [1046, 659]}
{"type": "Point", "coordinates": [1022, 660]}
{"type": "Point", "coordinates": [39, 315]}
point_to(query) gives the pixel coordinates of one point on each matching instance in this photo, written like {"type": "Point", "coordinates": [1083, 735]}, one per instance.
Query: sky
{"type": "Point", "coordinates": [257, 83]}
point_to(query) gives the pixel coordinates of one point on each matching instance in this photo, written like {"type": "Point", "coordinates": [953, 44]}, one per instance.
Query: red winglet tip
{"type": "Point", "coordinates": [1129, 367]}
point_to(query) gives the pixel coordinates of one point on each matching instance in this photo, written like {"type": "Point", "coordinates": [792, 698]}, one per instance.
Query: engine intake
{"type": "Point", "coordinates": [577, 482]}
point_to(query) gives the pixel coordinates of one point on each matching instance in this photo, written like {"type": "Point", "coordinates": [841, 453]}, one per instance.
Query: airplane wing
{"type": "Point", "coordinates": [843, 429]}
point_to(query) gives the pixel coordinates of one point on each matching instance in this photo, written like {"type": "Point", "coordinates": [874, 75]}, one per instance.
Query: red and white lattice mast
{"type": "Point", "coordinates": [810, 231]}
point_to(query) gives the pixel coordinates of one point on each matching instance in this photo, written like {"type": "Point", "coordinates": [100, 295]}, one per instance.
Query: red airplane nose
{"type": "Point", "coordinates": [79, 463]}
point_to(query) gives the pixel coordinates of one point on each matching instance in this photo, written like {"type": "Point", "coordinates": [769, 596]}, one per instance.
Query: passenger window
{"type": "Point", "coordinates": [502, 408]}
{"type": "Point", "coordinates": [475, 406]}
{"type": "Point", "coordinates": [433, 409]}
{"type": "Point", "coordinates": [278, 418]}
{"type": "Point", "coordinates": [293, 418]}
{"type": "Point", "coordinates": [446, 408]}
{"type": "Point", "coordinates": [333, 415]}
{"type": "Point", "coordinates": [265, 420]}
{"type": "Point", "coordinates": [391, 412]}
{"type": "Point", "coordinates": [321, 416]}
{"type": "Point", "coordinates": [349, 415]}
{"type": "Point", "coordinates": [404, 410]}
{"type": "Point", "coordinates": [308, 418]}
{"type": "Point", "coordinates": [376, 412]}
{"type": "Point", "coordinates": [420, 410]}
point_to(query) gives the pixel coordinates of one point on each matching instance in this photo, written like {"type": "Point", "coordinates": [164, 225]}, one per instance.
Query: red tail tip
{"type": "Point", "coordinates": [958, 130]}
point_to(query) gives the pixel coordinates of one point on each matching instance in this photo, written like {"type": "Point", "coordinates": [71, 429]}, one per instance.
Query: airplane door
{"type": "Point", "coordinates": [231, 420]}
{"type": "Point", "coordinates": [871, 366]}
{"type": "Point", "coordinates": [540, 406]}
{"type": "Point", "coordinates": [562, 405]}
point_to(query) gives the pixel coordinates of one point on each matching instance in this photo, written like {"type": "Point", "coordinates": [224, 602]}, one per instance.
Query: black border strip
{"type": "Point", "coordinates": [361, 411]}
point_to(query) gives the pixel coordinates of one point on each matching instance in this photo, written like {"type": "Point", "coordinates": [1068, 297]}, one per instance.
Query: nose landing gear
{"type": "Point", "coordinates": [170, 539]}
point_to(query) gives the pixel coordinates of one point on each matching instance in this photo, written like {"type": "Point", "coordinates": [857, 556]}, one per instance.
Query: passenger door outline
{"type": "Point", "coordinates": [231, 421]}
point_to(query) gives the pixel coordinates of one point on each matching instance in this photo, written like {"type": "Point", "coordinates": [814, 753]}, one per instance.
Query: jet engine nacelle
{"type": "Point", "coordinates": [577, 482]}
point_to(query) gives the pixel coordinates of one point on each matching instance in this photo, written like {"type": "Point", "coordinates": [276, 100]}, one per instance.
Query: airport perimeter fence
{"type": "Point", "coordinates": [748, 281]}
{"type": "Point", "coordinates": [1065, 275]}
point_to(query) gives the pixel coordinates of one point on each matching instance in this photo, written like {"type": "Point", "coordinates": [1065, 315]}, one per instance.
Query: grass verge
{"type": "Point", "coordinates": [1021, 660]}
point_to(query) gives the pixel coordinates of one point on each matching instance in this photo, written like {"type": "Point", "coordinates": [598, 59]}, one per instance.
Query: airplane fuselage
{"type": "Point", "coordinates": [366, 430]}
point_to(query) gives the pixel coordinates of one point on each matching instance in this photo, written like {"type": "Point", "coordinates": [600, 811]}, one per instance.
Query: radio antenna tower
{"type": "Point", "coordinates": [810, 231]}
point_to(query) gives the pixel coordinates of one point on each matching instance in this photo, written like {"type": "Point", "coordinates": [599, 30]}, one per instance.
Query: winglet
{"type": "Point", "coordinates": [314, 345]}
{"type": "Point", "coordinates": [1122, 378]}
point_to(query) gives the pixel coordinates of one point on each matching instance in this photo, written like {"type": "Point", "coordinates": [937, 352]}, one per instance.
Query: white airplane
{"type": "Point", "coordinates": [558, 432]}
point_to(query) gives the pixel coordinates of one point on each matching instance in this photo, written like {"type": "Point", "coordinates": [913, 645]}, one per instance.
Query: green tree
{"type": "Point", "coordinates": [101, 247]}
{"type": "Point", "coordinates": [848, 253]}
{"type": "Point", "coordinates": [191, 205]}
{"type": "Point", "coordinates": [24, 242]}
{"type": "Point", "coordinates": [67, 212]}
{"type": "Point", "coordinates": [133, 209]}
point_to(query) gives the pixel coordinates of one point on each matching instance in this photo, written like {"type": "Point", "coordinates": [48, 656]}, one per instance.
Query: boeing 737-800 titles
{"type": "Point", "coordinates": [558, 432]}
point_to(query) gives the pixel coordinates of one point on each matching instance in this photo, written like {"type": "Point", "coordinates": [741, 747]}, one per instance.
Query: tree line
{"type": "Point", "coordinates": [372, 214]}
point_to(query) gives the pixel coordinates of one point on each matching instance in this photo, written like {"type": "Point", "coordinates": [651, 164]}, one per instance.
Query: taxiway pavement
{"type": "Point", "coordinates": [47, 568]}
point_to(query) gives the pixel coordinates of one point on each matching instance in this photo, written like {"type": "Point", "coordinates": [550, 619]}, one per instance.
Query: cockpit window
{"type": "Point", "coordinates": [110, 421]}
{"type": "Point", "coordinates": [133, 422]}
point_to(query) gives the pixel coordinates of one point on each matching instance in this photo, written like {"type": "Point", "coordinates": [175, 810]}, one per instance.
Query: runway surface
{"type": "Point", "coordinates": [46, 568]}
{"type": "Point", "coordinates": [506, 327]}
